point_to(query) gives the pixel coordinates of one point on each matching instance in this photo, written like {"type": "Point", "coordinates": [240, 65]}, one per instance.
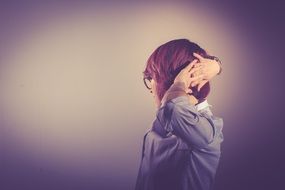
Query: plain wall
{"type": "Point", "coordinates": [73, 107]}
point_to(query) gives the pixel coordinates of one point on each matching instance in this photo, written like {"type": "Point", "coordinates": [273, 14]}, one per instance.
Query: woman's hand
{"type": "Point", "coordinates": [203, 71]}
{"type": "Point", "coordinates": [184, 76]}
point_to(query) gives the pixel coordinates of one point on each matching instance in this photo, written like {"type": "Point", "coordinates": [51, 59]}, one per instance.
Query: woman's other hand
{"type": "Point", "coordinates": [184, 76]}
{"type": "Point", "coordinates": [203, 71]}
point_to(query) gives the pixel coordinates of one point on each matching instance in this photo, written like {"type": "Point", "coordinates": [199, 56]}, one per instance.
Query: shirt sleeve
{"type": "Point", "coordinates": [186, 122]}
{"type": "Point", "coordinates": [204, 107]}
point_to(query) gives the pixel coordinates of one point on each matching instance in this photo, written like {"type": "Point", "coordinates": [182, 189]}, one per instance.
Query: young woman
{"type": "Point", "coordinates": [182, 149]}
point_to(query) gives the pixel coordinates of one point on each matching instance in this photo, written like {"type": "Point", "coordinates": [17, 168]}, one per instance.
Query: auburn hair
{"type": "Point", "coordinates": [168, 60]}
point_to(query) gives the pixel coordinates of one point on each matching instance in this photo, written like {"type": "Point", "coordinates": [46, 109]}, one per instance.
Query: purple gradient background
{"type": "Point", "coordinates": [253, 152]}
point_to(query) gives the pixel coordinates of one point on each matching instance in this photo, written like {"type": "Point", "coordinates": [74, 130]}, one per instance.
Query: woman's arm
{"type": "Point", "coordinates": [184, 119]}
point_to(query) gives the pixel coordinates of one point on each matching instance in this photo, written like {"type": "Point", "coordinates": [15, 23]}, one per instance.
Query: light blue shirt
{"type": "Point", "coordinates": [182, 149]}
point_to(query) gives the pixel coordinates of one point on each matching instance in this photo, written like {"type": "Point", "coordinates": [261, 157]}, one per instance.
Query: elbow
{"type": "Point", "coordinates": [199, 135]}
{"type": "Point", "coordinates": [199, 141]}
{"type": "Point", "coordinates": [205, 133]}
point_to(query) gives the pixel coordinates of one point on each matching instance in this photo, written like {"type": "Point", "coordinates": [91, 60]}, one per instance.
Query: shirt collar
{"type": "Point", "coordinates": [202, 105]}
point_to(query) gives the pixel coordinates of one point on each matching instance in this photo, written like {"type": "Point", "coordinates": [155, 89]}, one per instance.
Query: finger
{"type": "Point", "coordinates": [198, 56]}
{"type": "Point", "coordinates": [183, 73]}
{"type": "Point", "coordinates": [197, 80]}
{"type": "Point", "coordinates": [201, 84]}
{"type": "Point", "coordinates": [196, 71]}
{"type": "Point", "coordinates": [188, 67]}
{"type": "Point", "coordinates": [189, 91]}
{"type": "Point", "coordinates": [198, 65]}
{"type": "Point", "coordinates": [196, 83]}
{"type": "Point", "coordinates": [195, 67]}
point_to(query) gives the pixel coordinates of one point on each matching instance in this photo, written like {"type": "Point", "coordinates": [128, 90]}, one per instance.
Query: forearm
{"type": "Point", "coordinates": [176, 89]}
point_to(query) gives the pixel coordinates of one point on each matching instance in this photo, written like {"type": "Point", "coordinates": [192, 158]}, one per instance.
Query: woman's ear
{"type": "Point", "coordinates": [153, 84]}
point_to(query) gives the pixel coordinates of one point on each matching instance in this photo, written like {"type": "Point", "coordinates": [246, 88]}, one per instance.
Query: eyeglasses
{"type": "Point", "coordinates": [147, 82]}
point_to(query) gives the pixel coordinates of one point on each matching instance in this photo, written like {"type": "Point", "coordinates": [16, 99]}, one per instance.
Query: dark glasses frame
{"type": "Point", "coordinates": [145, 83]}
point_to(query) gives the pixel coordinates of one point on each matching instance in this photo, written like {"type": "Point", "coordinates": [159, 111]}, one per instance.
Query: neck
{"type": "Point", "coordinates": [191, 98]}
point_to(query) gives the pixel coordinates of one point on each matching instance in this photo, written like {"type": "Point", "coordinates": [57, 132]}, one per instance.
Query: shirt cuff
{"type": "Point", "coordinates": [202, 105]}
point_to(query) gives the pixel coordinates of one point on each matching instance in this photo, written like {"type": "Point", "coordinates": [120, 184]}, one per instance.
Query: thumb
{"type": "Point", "coordinates": [190, 65]}
{"type": "Point", "coordinates": [201, 84]}
{"type": "Point", "coordinates": [198, 56]}
{"type": "Point", "coordinates": [189, 91]}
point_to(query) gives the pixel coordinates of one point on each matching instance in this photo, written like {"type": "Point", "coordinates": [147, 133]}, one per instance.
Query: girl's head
{"type": "Point", "coordinates": [167, 61]}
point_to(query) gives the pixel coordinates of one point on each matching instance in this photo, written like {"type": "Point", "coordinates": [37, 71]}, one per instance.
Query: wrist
{"type": "Point", "coordinates": [178, 86]}
{"type": "Point", "coordinates": [218, 61]}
